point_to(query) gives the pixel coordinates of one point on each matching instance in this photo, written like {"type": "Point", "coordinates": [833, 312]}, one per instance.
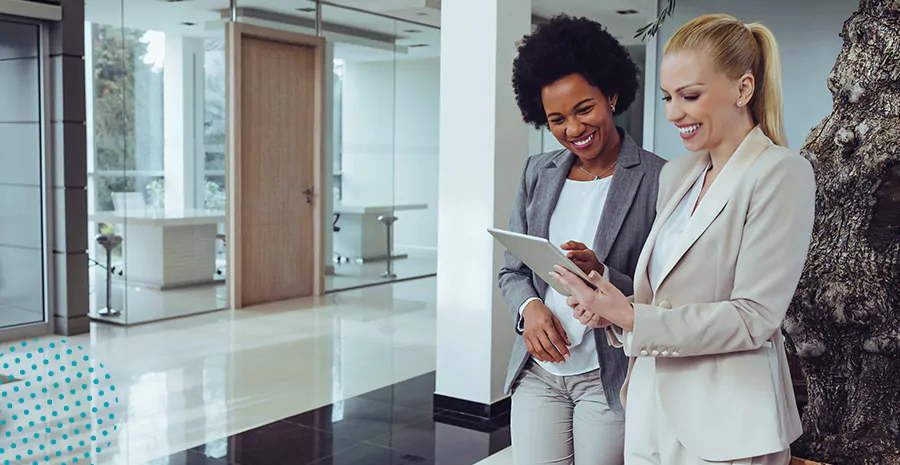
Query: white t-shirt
{"type": "Point", "coordinates": [575, 218]}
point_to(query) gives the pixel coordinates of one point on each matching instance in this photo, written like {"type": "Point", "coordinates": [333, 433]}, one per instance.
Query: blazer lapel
{"type": "Point", "coordinates": [717, 195]}
{"type": "Point", "coordinates": [551, 179]}
{"type": "Point", "coordinates": [622, 190]}
{"type": "Point", "coordinates": [550, 183]}
{"type": "Point", "coordinates": [643, 293]}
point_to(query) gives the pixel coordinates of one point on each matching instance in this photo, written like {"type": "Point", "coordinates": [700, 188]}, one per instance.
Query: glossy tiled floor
{"type": "Point", "coordinates": [350, 275]}
{"type": "Point", "coordinates": [343, 379]}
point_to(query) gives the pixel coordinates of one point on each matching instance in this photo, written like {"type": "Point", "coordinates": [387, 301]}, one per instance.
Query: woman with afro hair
{"type": "Point", "coordinates": [596, 198]}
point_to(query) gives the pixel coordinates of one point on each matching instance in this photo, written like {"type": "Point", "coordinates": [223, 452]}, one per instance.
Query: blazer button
{"type": "Point", "coordinates": [665, 353]}
{"type": "Point", "coordinates": [655, 353]}
{"type": "Point", "coordinates": [644, 353]}
{"type": "Point", "coordinates": [665, 304]}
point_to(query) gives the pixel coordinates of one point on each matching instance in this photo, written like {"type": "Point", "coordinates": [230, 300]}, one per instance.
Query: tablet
{"type": "Point", "coordinates": [540, 255]}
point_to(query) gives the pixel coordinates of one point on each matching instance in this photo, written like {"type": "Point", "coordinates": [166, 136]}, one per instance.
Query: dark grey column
{"type": "Point", "coordinates": [68, 150]}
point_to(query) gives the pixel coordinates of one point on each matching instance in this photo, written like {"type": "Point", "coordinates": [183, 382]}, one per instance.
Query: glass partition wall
{"type": "Point", "coordinates": [156, 117]}
{"type": "Point", "coordinates": [155, 107]}
{"type": "Point", "coordinates": [384, 148]}
{"type": "Point", "coordinates": [24, 248]}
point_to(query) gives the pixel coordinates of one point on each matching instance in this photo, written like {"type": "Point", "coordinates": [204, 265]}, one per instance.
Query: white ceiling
{"type": "Point", "coordinates": [359, 36]}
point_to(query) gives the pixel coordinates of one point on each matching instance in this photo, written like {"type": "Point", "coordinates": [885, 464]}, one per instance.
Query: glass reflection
{"type": "Point", "coordinates": [384, 179]}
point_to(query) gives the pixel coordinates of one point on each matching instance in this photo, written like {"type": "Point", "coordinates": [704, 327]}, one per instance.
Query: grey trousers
{"type": "Point", "coordinates": [564, 420]}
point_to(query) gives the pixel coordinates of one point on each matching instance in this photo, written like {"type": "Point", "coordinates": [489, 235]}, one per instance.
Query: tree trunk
{"type": "Point", "coordinates": [844, 321]}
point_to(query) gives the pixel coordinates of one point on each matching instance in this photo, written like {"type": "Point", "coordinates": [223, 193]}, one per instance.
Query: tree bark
{"type": "Point", "coordinates": [844, 321]}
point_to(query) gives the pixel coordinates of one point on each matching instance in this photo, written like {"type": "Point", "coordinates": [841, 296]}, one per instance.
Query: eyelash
{"type": "Point", "coordinates": [686, 97]}
{"type": "Point", "coordinates": [583, 111]}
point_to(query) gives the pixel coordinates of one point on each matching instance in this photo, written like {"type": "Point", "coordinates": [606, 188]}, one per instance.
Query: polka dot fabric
{"type": "Point", "coordinates": [57, 405]}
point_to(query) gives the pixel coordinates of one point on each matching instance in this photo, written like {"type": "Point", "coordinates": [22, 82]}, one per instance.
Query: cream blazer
{"type": "Point", "coordinates": [714, 324]}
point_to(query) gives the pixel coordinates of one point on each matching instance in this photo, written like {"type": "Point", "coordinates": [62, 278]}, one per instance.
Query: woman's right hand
{"type": "Point", "coordinates": [583, 257]}
{"type": "Point", "coordinates": [544, 335]}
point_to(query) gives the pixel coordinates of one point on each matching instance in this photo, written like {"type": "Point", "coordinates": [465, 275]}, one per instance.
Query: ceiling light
{"type": "Point", "coordinates": [628, 12]}
{"type": "Point", "coordinates": [418, 45]}
{"type": "Point", "coordinates": [306, 10]}
{"type": "Point", "coordinates": [422, 13]}
{"type": "Point", "coordinates": [186, 23]}
{"type": "Point", "coordinates": [412, 31]}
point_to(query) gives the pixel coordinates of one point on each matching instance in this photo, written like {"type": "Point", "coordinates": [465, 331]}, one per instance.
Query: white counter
{"type": "Point", "coordinates": [376, 209]}
{"type": "Point", "coordinates": [167, 248]}
{"type": "Point", "coordinates": [188, 217]}
{"type": "Point", "coordinates": [362, 236]}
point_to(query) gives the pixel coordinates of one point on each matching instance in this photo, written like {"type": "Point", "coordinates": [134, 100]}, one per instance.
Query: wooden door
{"type": "Point", "coordinates": [276, 206]}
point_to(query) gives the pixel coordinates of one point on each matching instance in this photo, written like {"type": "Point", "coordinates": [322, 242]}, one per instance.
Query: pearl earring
{"type": "Point", "coordinates": [741, 103]}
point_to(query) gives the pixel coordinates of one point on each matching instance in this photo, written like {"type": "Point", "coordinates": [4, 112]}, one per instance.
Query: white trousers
{"type": "Point", "coordinates": [563, 420]}
{"type": "Point", "coordinates": [649, 438]}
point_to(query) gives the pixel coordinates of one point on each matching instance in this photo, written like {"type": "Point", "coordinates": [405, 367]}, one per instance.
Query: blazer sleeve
{"type": "Point", "coordinates": [515, 278]}
{"type": "Point", "coordinates": [774, 245]}
{"type": "Point", "coordinates": [621, 280]}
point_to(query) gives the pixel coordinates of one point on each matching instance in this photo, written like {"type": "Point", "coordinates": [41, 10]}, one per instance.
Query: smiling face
{"type": "Point", "coordinates": [579, 116]}
{"type": "Point", "coordinates": [705, 105]}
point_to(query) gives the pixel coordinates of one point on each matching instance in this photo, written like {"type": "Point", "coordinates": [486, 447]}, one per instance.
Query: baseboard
{"type": "Point", "coordinates": [72, 326]}
{"type": "Point", "coordinates": [474, 409]}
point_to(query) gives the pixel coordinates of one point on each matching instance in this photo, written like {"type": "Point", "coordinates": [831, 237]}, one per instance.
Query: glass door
{"type": "Point", "coordinates": [23, 198]}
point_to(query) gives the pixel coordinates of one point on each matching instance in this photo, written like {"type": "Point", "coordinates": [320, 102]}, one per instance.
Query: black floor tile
{"type": "Point", "coordinates": [368, 454]}
{"type": "Point", "coordinates": [189, 457]}
{"type": "Point", "coordinates": [282, 443]}
{"type": "Point", "coordinates": [415, 393]}
{"type": "Point", "coordinates": [417, 439]}
{"type": "Point", "coordinates": [360, 418]}
{"type": "Point", "coordinates": [446, 444]}
{"type": "Point", "coordinates": [396, 425]}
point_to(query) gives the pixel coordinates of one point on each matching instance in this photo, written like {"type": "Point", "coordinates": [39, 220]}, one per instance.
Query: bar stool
{"type": "Point", "coordinates": [109, 242]}
{"type": "Point", "coordinates": [388, 221]}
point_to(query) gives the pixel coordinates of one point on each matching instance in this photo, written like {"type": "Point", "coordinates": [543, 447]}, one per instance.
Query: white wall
{"type": "Point", "coordinates": [390, 142]}
{"type": "Point", "coordinates": [807, 34]}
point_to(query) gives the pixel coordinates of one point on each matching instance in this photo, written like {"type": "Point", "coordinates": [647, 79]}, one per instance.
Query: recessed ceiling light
{"type": "Point", "coordinates": [306, 10]}
{"type": "Point", "coordinates": [628, 12]}
{"type": "Point", "coordinates": [418, 45]}
{"type": "Point", "coordinates": [186, 23]}
{"type": "Point", "coordinates": [412, 31]}
{"type": "Point", "coordinates": [422, 13]}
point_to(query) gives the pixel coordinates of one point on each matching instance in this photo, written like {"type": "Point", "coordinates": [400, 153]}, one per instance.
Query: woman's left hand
{"type": "Point", "coordinates": [606, 302]}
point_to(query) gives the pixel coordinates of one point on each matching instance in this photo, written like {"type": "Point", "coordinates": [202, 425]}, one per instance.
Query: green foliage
{"type": "Point", "coordinates": [116, 53]}
{"type": "Point", "coordinates": [651, 29]}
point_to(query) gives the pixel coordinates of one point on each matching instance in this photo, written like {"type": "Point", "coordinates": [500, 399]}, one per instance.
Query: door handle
{"type": "Point", "coordinates": [309, 192]}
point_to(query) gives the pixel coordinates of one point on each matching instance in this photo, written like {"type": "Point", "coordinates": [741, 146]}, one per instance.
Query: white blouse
{"type": "Point", "coordinates": [575, 218]}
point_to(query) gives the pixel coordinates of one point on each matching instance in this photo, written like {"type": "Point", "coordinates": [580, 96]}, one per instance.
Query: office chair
{"type": "Point", "coordinates": [335, 228]}
{"type": "Point", "coordinates": [220, 270]}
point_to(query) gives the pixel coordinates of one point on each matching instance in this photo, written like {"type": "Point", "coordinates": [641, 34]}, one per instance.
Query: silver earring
{"type": "Point", "coordinates": [612, 108]}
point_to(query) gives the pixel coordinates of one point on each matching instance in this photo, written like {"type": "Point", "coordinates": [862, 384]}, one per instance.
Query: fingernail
{"type": "Point", "coordinates": [592, 275]}
{"type": "Point", "coordinates": [557, 267]}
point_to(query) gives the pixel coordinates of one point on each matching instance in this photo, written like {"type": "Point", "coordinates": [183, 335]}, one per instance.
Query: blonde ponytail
{"type": "Point", "coordinates": [767, 105]}
{"type": "Point", "coordinates": [735, 49]}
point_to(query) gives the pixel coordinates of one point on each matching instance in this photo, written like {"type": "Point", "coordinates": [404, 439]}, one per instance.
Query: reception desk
{"type": "Point", "coordinates": [167, 248]}
{"type": "Point", "coordinates": [362, 237]}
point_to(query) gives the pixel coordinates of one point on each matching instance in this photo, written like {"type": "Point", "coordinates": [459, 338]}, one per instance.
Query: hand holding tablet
{"type": "Point", "coordinates": [540, 255]}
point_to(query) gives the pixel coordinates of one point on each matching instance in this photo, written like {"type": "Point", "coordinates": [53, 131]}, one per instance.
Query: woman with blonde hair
{"type": "Point", "coordinates": [708, 378]}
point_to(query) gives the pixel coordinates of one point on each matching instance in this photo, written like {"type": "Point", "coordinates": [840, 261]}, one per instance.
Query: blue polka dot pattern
{"type": "Point", "coordinates": [31, 422]}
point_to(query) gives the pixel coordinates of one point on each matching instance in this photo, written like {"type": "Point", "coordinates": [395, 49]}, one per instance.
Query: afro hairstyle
{"type": "Point", "coordinates": [565, 46]}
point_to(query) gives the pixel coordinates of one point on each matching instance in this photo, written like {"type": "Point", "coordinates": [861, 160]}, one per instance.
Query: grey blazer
{"type": "Point", "coordinates": [624, 226]}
